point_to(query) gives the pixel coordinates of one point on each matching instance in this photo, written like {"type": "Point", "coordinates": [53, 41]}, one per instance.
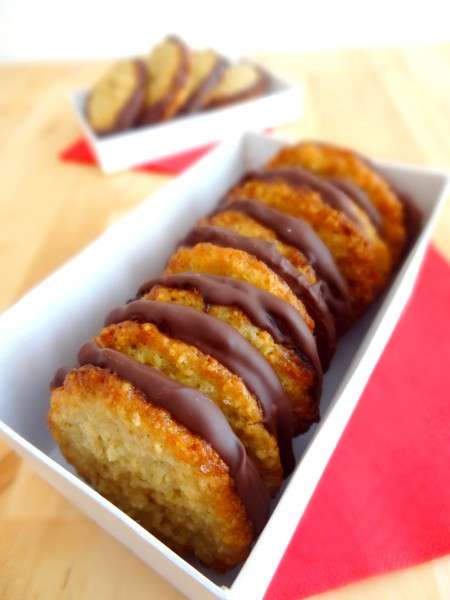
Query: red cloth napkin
{"type": "Point", "coordinates": [383, 502]}
{"type": "Point", "coordinates": [80, 152]}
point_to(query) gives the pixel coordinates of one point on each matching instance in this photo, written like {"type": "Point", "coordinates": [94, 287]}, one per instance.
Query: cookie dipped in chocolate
{"type": "Point", "coordinates": [298, 233]}
{"type": "Point", "coordinates": [263, 309]}
{"type": "Point", "coordinates": [221, 341]}
{"type": "Point", "coordinates": [198, 414]}
{"type": "Point", "coordinates": [310, 295]}
{"type": "Point", "coordinates": [299, 177]}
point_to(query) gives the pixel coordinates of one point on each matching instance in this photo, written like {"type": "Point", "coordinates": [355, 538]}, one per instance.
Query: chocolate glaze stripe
{"type": "Point", "coordinates": [266, 311]}
{"type": "Point", "coordinates": [359, 197]}
{"type": "Point", "coordinates": [299, 234]}
{"type": "Point", "coordinates": [266, 252]}
{"type": "Point", "coordinates": [58, 378]}
{"type": "Point", "coordinates": [194, 411]}
{"type": "Point", "coordinates": [299, 177]}
{"type": "Point", "coordinates": [221, 341]}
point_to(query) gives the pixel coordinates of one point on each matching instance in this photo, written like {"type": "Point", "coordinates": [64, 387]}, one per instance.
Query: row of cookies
{"type": "Point", "coordinates": [183, 408]}
{"type": "Point", "coordinates": [172, 80]}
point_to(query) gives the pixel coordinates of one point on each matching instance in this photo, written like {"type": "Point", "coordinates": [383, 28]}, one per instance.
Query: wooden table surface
{"type": "Point", "coordinates": [391, 103]}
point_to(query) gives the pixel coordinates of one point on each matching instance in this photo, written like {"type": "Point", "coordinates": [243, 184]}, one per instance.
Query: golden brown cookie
{"type": "Point", "coordinates": [239, 82]}
{"type": "Point", "coordinates": [169, 69]}
{"type": "Point", "coordinates": [133, 451]}
{"type": "Point", "coordinates": [333, 161]}
{"type": "Point", "coordinates": [115, 102]}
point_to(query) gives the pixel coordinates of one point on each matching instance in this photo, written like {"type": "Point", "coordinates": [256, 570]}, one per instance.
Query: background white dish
{"type": "Point", "coordinates": [281, 104]}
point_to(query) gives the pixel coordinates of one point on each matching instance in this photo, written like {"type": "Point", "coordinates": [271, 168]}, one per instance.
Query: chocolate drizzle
{"type": "Point", "coordinates": [58, 378]}
{"type": "Point", "coordinates": [221, 341]}
{"type": "Point", "coordinates": [266, 311]}
{"type": "Point", "coordinates": [196, 412]}
{"type": "Point", "coordinates": [311, 295]}
{"type": "Point", "coordinates": [298, 177]}
{"type": "Point", "coordinates": [359, 197]}
{"type": "Point", "coordinates": [299, 234]}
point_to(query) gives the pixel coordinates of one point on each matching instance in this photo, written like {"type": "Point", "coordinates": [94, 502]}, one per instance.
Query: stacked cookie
{"type": "Point", "coordinates": [172, 80]}
{"type": "Point", "coordinates": [184, 406]}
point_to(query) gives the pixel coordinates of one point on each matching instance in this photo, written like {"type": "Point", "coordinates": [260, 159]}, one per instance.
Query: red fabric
{"type": "Point", "coordinates": [81, 152]}
{"type": "Point", "coordinates": [384, 500]}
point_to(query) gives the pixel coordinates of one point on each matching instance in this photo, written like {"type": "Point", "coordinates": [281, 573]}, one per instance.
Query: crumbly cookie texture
{"type": "Point", "coordinates": [134, 453]}
{"type": "Point", "coordinates": [116, 101]}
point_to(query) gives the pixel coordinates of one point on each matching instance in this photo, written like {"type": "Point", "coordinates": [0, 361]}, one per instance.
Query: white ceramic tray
{"type": "Point", "coordinates": [280, 105]}
{"type": "Point", "coordinates": [46, 327]}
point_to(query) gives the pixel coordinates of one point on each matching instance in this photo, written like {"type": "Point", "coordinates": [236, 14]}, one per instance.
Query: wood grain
{"type": "Point", "coordinates": [390, 103]}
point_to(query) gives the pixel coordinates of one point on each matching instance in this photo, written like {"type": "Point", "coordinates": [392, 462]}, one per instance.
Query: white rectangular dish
{"type": "Point", "coordinates": [281, 104]}
{"type": "Point", "coordinates": [46, 327]}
